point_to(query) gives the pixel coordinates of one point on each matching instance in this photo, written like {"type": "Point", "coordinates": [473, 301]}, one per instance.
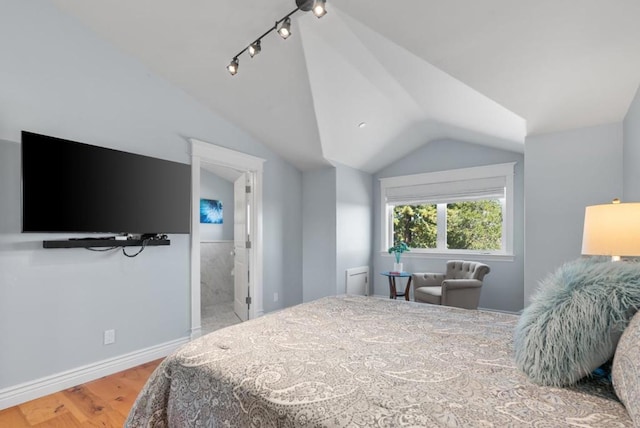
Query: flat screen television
{"type": "Point", "coordinates": [68, 186]}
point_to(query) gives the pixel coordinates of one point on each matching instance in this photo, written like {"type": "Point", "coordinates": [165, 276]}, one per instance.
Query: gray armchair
{"type": "Point", "coordinates": [460, 286]}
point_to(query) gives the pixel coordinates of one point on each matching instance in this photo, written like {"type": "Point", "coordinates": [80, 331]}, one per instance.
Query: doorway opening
{"type": "Point", "coordinates": [243, 245]}
{"type": "Point", "coordinates": [224, 230]}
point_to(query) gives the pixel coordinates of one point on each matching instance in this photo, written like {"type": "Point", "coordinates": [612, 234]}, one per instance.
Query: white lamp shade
{"type": "Point", "coordinates": [612, 230]}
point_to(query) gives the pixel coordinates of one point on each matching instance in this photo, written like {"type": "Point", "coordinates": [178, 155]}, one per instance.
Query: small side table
{"type": "Point", "coordinates": [392, 284]}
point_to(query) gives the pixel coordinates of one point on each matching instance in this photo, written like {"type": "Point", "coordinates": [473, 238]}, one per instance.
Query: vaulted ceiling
{"type": "Point", "coordinates": [489, 72]}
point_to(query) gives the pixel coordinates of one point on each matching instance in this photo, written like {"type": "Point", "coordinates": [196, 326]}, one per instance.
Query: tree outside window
{"type": "Point", "coordinates": [469, 225]}
{"type": "Point", "coordinates": [416, 225]}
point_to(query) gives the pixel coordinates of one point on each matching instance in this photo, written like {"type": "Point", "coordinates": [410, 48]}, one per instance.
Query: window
{"type": "Point", "coordinates": [467, 211]}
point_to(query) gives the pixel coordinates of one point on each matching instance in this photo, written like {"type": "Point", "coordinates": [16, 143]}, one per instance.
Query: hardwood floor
{"type": "Point", "coordinates": [104, 402]}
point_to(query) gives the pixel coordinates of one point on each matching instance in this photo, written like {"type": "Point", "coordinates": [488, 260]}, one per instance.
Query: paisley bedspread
{"type": "Point", "coordinates": [351, 361]}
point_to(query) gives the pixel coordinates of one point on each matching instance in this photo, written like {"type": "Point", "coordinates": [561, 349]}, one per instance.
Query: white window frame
{"type": "Point", "coordinates": [505, 170]}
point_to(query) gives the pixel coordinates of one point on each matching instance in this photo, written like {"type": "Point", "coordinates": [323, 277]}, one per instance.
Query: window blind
{"type": "Point", "coordinates": [447, 191]}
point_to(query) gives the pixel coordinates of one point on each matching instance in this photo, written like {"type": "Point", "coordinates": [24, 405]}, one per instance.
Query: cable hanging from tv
{"type": "Point", "coordinates": [101, 249]}
{"type": "Point", "coordinates": [144, 245]}
{"type": "Point", "coordinates": [124, 251]}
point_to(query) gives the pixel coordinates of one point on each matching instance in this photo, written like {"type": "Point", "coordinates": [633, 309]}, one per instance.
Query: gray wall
{"type": "Point", "coordinates": [337, 228]}
{"type": "Point", "coordinates": [282, 216]}
{"type": "Point", "coordinates": [319, 236]}
{"type": "Point", "coordinates": [354, 198]}
{"type": "Point", "coordinates": [503, 287]}
{"type": "Point", "coordinates": [215, 187]}
{"type": "Point", "coordinates": [566, 172]}
{"type": "Point", "coordinates": [631, 152]}
{"type": "Point", "coordinates": [55, 304]}
{"type": "Point", "coordinates": [60, 79]}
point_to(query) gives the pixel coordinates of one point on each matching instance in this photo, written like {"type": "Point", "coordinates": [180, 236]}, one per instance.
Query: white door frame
{"type": "Point", "coordinates": [203, 152]}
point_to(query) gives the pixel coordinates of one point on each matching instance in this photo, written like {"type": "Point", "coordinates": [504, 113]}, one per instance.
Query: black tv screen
{"type": "Point", "coordinates": [69, 186]}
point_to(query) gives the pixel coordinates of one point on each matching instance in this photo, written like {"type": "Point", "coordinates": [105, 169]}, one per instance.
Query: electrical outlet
{"type": "Point", "coordinates": [275, 297]}
{"type": "Point", "coordinates": [109, 337]}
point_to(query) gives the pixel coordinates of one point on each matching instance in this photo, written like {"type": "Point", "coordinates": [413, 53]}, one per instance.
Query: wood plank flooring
{"type": "Point", "coordinates": [104, 402]}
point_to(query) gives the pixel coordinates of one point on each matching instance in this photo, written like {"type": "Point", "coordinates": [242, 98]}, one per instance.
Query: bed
{"type": "Point", "coordinates": [353, 361]}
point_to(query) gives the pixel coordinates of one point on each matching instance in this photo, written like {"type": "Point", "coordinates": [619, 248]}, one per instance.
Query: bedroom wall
{"type": "Point", "coordinates": [337, 228]}
{"type": "Point", "coordinates": [354, 198]}
{"type": "Point", "coordinates": [60, 79]}
{"type": "Point", "coordinates": [503, 287]}
{"type": "Point", "coordinates": [631, 151]}
{"type": "Point", "coordinates": [566, 172]}
{"type": "Point", "coordinates": [319, 236]}
{"type": "Point", "coordinates": [282, 212]}
{"type": "Point", "coordinates": [215, 187]}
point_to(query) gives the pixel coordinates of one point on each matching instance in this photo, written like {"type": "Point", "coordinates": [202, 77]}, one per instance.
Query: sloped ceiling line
{"type": "Point", "coordinates": [356, 75]}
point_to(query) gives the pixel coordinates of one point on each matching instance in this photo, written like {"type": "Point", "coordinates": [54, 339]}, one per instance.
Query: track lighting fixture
{"type": "Point", "coordinates": [282, 26]}
{"type": "Point", "coordinates": [285, 28]}
{"type": "Point", "coordinates": [254, 48]}
{"type": "Point", "coordinates": [319, 8]}
{"type": "Point", "coordinates": [233, 66]}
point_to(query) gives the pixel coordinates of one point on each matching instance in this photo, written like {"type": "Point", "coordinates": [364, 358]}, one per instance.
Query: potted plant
{"type": "Point", "coordinates": [397, 250]}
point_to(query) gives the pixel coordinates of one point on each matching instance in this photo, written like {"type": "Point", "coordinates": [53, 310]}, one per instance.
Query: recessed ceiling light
{"type": "Point", "coordinates": [362, 124]}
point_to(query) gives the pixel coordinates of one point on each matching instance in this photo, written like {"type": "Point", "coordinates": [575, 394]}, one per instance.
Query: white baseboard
{"type": "Point", "coordinates": [196, 332]}
{"type": "Point", "coordinates": [23, 392]}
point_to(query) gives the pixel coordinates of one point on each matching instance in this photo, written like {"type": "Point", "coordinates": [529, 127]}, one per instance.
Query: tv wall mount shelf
{"type": "Point", "coordinates": [103, 242]}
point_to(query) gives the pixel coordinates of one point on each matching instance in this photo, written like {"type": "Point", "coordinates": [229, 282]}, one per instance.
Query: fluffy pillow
{"type": "Point", "coordinates": [625, 372]}
{"type": "Point", "coordinates": [575, 319]}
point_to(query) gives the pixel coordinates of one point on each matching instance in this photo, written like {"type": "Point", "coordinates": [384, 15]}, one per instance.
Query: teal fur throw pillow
{"type": "Point", "coordinates": [575, 319]}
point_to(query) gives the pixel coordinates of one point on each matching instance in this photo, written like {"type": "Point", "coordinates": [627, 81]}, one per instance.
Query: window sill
{"type": "Point", "coordinates": [452, 255]}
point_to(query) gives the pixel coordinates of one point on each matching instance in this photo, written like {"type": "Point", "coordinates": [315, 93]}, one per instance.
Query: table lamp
{"type": "Point", "coordinates": [612, 230]}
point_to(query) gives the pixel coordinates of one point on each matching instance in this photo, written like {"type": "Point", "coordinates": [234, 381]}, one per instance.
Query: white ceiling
{"type": "Point", "coordinates": [488, 72]}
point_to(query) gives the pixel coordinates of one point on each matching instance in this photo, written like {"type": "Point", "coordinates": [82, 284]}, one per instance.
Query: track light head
{"type": "Point", "coordinates": [319, 8]}
{"type": "Point", "coordinates": [285, 28]}
{"type": "Point", "coordinates": [254, 48]}
{"type": "Point", "coordinates": [233, 66]}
